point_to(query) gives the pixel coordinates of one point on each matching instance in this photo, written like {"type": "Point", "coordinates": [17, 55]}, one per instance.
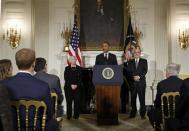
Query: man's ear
{"type": "Point", "coordinates": [45, 67]}
{"type": "Point", "coordinates": [33, 65]}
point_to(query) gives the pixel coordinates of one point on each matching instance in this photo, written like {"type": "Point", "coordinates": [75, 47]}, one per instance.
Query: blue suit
{"type": "Point", "coordinates": [25, 86]}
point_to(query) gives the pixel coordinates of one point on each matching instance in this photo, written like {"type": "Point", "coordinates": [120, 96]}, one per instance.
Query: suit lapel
{"type": "Point", "coordinates": [138, 64]}
{"type": "Point", "coordinates": [133, 65]}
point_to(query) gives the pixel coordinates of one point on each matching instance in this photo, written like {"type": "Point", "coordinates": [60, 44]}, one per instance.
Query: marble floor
{"type": "Point", "coordinates": [87, 122]}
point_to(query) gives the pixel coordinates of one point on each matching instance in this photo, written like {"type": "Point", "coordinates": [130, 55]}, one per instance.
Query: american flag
{"type": "Point", "coordinates": [74, 49]}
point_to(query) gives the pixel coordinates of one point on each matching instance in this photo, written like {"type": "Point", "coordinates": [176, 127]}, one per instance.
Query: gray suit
{"type": "Point", "coordinates": [54, 84]}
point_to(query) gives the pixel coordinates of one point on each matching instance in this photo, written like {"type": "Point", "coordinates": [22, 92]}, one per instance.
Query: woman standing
{"type": "Point", "coordinates": [73, 83]}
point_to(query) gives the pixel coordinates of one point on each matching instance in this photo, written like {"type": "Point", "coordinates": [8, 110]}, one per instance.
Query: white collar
{"type": "Point", "coordinates": [137, 59]}
{"type": "Point", "coordinates": [24, 71]}
{"type": "Point", "coordinates": [106, 53]}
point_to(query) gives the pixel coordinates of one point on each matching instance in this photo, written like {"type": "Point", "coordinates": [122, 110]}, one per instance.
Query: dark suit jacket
{"type": "Point", "coordinates": [53, 82]}
{"type": "Point", "coordinates": [25, 86]}
{"type": "Point", "coordinates": [5, 110]}
{"type": "Point", "coordinates": [140, 71]}
{"type": "Point", "coordinates": [171, 84]}
{"type": "Point", "coordinates": [68, 77]}
{"type": "Point", "coordinates": [182, 112]}
{"type": "Point", "coordinates": [100, 60]}
{"type": "Point", "coordinates": [125, 70]}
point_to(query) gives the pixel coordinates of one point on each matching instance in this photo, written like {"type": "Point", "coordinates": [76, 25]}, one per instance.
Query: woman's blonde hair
{"type": "Point", "coordinates": [5, 69]}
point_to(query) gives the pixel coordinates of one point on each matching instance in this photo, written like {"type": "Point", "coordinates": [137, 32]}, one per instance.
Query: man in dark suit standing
{"type": "Point", "coordinates": [106, 58]}
{"type": "Point", "coordinates": [24, 86]}
{"type": "Point", "coordinates": [52, 80]}
{"type": "Point", "coordinates": [137, 69]}
{"type": "Point", "coordinates": [171, 84]}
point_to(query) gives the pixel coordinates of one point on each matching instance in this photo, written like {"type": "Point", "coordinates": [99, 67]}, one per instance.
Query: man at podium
{"type": "Point", "coordinates": [107, 78]}
{"type": "Point", "coordinates": [106, 58]}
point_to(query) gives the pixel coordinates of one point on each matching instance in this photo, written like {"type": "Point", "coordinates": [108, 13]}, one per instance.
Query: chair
{"type": "Point", "coordinates": [183, 76]}
{"type": "Point", "coordinates": [168, 102]}
{"type": "Point", "coordinates": [28, 104]}
{"type": "Point", "coordinates": [55, 98]}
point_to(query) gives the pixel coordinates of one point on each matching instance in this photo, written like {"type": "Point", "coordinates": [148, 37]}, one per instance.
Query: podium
{"type": "Point", "coordinates": [107, 80]}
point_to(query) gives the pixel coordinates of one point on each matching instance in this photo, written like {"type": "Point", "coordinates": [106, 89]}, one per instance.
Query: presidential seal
{"type": "Point", "coordinates": [108, 73]}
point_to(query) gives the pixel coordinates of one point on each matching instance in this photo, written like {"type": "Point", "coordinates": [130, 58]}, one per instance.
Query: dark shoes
{"type": "Point", "coordinates": [76, 117]}
{"type": "Point", "coordinates": [158, 128]}
{"type": "Point", "coordinates": [132, 115]}
{"type": "Point", "coordinates": [143, 117]}
{"type": "Point", "coordinates": [68, 118]}
{"type": "Point", "coordinates": [122, 111]}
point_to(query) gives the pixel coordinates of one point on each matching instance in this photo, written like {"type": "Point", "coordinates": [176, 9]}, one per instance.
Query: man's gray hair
{"type": "Point", "coordinates": [71, 58]}
{"type": "Point", "coordinates": [173, 69]}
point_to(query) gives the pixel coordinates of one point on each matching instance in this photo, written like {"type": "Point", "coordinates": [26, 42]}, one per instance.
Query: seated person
{"type": "Point", "coordinates": [171, 84]}
{"type": "Point", "coordinates": [5, 108]}
{"type": "Point", "coordinates": [5, 69]}
{"type": "Point", "coordinates": [52, 80]}
{"type": "Point", "coordinates": [182, 111]}
{"type": "Point", "coordinates": [24, 86]}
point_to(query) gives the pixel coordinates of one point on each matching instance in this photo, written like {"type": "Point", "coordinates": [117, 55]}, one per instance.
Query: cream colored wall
{"type": "Point", "coordinates": [41, 27]}
{"type": "Point", "coordinates": [60, 13]}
